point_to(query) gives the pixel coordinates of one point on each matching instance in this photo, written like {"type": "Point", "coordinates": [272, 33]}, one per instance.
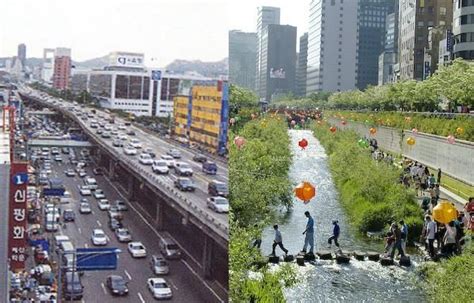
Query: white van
{"type": "Point", "coordinates": [51, 222]}
{"type": "Point", "coordinates": [91, 182]}
{"type": "Point", "coordinates": [67, 198]}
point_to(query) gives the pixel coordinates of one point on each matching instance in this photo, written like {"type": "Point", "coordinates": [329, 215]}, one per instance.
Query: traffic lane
{"type": "Point", "coordinates": [128, 267]}
{"type": "Point", "coordinates": [183, 289]}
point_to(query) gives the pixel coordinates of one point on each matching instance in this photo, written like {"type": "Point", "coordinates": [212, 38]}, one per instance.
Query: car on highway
{"type": "Point", "coordinates": [137, 249]}
{"type": "Point", "coordinates": [149, 151]}
{"type": "Point", "coordinates": [218, 204]}
{"type": "Point", "coordinates": [70, 172]}
{"type": "Point", "coordinates": [99, 131]}
{"type": "Point", "coordinates": [117, 142]}
{"type": "Point", "coordinates": [58, 158]}
{"type": "Point", "coordinates": [159, 265]}
{"type": "Point", "coordinates": [106, 135]}
{"type": "Point", "coordinates": [176, 154]}
{"type": "Point", "coordinates": [98, 171]}
{"type": "Point", "coordinates": [160, 167]}
{"type": "Point", "coordinates": [82, 173]}
{"type": "Point", "coordinates": [145, 159]}
{"type": "Point", "coordinates": [122, 126]}
{"type": "Point", "coordinates": [130, 133]}
{"type": "Point", "coordinates": [85, 208]}
{"type": "Point", "coordinates": [99, 237]}
{"type": "Point", "coordinates": [114, 224]}
{"type": "Point", "coordinates": [120, 205]}
{"type": "Point", "coordinates": [99, 194]}
{"type": "Point", "coordinates": [116, 285]}
{"type": "Point", "coordinates": [183, 169]}
{"type": "Point", "coordinates": [168, 159]}
{"type": "Point", "coordinates": [114, 212]}
{"type": "Point", "coordinates": [135, 143]}
{"type": "Point", "coordinates": [217, 188]}
{"type": "Point", "coordinates": [122, 137]}
{"type": "Point", "coordinates": [69, 215]}
{"type": "Point", "coordinates": [209, 168]}
{"type": "Point", "coordinates": [103, 204]}
{"type": "Point", "coordinates": [129, 150]}
{"type": "Point", "coordinates": [184, 184]}
{"type": "Point", "coordinates": [85, 190]}
{"type": "Point", "coordinates": [169, 248]}
{"type": "Point", "coordinates": [199, 158]}
{"type": "Point", "coordinates": [159, 288]}
{"type": "Point", "coordinates": [123, 235]}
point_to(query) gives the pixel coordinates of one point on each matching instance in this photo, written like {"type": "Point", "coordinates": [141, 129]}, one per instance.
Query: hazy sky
{"type": "Point", "coordinates": [162, 29]}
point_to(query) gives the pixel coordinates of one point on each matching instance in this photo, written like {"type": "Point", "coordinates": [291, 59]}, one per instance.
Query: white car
{"type": "Point", "coordinates": [159, 288]}
{"type": "Point", "coordinates": [218, 204]}
{"type": "Point", "coordinates": [135, 143]}
{"type": "Point", "coordinates": [104, 204]}
{"type": "Point", "coordinates": [160, 167]}
{"type": "Point", "coordinates": [122, 137]}
{"type": "Point", "coordinates": [137, 249]}
{"type": "Point", "coordinates": [82, 173]}
{"type": "Point", "coordinates": [129, 150]}
{"type": "Point", "coordinates": [99, 237]}
{"type": "Point", "coordinates": [183, 169]}
{"type": "Point", "coordinates": [122, 127]}
{"type": "Point", "coordinates": [58, 158]}
{"type": "Point", "coordinates": [85, 191]}
{"type": "Point", "coordinates": [145, 159]}
{"type": "Point", "coordinates": [168, 159]}
{"type": "Point", "coordinates": [99, 194]}
{"type": "Point", "coordinates": [174, 153]}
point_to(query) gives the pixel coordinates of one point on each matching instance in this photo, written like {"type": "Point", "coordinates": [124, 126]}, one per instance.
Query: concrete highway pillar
{"type": "Point", "coordinates": [112, 165]}
{"type": "Point", "coordinates": [131, 188]}
{"type": "Point", "coordinates": [207, 257]}
{"type": "Point", "coordinates": [159, 216]}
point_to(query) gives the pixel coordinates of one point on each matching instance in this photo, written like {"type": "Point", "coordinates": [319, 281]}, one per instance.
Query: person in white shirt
{"type": "Point", "coordinates": [449, 239]}
{"type": "Point", "coordinates": [430, 234]}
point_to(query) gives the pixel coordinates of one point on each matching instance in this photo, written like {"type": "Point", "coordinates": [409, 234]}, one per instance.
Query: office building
{"type": "Point", "coordinates": [278, 61]}
{"type": "Point", "coordinates": [388, 58]}
{"type": "Point", "coordinates": [301, 67]}
{"type": "Point", "coordinates": [332, 46]}
{"type": "Point", "coordinates": [445, 50]}
{"type": "Point", "coordinates": [265, 15]}
{"type": "Point", "coordinates": [371, 39]}
{"type": "Point", "coordinates": [242, 58]}
{"type": "Point", "coordinates": [62, 68]}
{"type": "Point", "coordinates": [22, 54]}
{"type": "Point", "coordinates": [463, 29]}
{"type": "Point", "coordinates": [431, 53]}
{"type": "Point", "coordinates": [200, 118]}
{"type": "Point", "coordinates": [415, 17]}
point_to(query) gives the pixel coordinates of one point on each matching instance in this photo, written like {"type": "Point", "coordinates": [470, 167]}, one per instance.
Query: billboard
{"type": "Point", "coordinates": [277, 73]}
{"type": "Point", "coordinates": [17, 216]}
{"type": "Point", "coordinates": [126, 60]}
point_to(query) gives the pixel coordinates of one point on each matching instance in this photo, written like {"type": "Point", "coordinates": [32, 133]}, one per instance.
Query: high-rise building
{"type": "Point", "coordinates": [278, 61]}
{"type": "Point", "coordinates": [388, 58]}
{"type": "Point", "coordinates": [415, 17]}
{"type": "Point", "coordinates": [431, 54]}
{"type": "Point", "coordinates": [332, 46]}
{"type": "Point", "coordinates": [371, 26]}
{"type": "Point", "coordinates": [302, 65]}
{"type": "Point", "coordinates": [242, 58]}
{"type": "Point", "coordinates": [463, 29]}
{"type": "Point", "coordinates": [265, 15]}
{"type": "Point", "coordinates": [62, 68]}
{"type": "Point", "coordinates": [22, 54]}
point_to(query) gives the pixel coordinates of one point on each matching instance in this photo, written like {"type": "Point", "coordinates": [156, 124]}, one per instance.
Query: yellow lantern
{"type": "Point", "coordinates": [444, 212]}
{"type": "Point", "coordinates": [305, 191]}
{"type": "Point", "coordinates": [411, 141]}
{"type": "Point", "coordinates": [460, 130]}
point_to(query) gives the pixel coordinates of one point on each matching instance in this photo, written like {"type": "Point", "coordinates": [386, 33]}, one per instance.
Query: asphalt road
{"type": "Point", "coordinates": [185, 283]}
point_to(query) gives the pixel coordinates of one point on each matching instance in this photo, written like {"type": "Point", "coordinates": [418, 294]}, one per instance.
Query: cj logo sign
{"type": "Point", "coordinates": [122, 60]}
{"type": "Point", "coordinates": [133, 61]}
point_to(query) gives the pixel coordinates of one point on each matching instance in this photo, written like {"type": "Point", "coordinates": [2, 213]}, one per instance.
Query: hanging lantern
{"type": "Point", "coordinates": [343, 122]}
{"type": "Point", "coordinates": [411, 141]}
{"type": "Point", "coordinates": [444, 212]}
{"type": "Point", "coordinates": [239, 141]}
{"type": "Point", "coordinates": [332, 129]}
{"type": "Point", "coordinates": [451, 139]}
{"type": "Point", "coordinates": [232, 121]}
{"type": "Point", "coordinates": [305, 191]}
{"type": "Point", "coordinates": [372, 130]}
{"type": "Point", "coordinates": [408, 119]}
{"type": "Point", "coordinates": [303, 143]}
{"type": "Point", "coordinates": [414, 131]}
{"type": "Point", "coordinates": [459, 130]}
{"type": "Point", "coordinates": [363, 143]}
{"type": "Point", "coordinates": [293, 123]}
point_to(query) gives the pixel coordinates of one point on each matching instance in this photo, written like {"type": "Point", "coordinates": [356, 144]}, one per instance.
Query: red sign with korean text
{"type": "Point", "coordinates": [17, 238]}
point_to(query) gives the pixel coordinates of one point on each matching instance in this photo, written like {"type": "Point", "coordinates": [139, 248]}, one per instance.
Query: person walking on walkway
{"type": "Point", "coordinates": [278, 241]}
{"type": "Point", "coordinates": [257, 237]}
{"type": "Point", "coordinates": [398, 240]}
{"type": "Point", "coordinates": [449, 239]}
{"type": "Point", "coordinates": [430, 235]}
{"type": "Point", "coordinates": [335, 234]}
{"type": "Point", "coordinates": [404, 233]}
{"type": "Point", "coordinates": [309, 232]}
{"type": "Point", "coordinates": [439, 176]}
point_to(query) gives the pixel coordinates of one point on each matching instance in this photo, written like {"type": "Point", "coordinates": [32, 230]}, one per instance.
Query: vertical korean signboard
{"type": "Point", "coordinates": [17, 217]}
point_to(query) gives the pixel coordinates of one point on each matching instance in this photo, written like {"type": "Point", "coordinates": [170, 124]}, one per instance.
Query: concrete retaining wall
{"type": "Point", "coordinates": [455, 160]}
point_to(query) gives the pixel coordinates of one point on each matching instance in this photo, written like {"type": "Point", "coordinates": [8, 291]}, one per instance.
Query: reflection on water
{"type": "Point", "coordinates": [326, 281]}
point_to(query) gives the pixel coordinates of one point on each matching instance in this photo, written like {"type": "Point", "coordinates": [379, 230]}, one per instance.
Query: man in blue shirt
{"type": "Point", "coordinates": [335, 234]}
{"type": "Point", "coordinates": [309, 231]}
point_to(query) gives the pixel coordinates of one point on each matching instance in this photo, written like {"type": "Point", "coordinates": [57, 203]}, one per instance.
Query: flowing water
{"type": "Point", "coordinates": [326, 281]}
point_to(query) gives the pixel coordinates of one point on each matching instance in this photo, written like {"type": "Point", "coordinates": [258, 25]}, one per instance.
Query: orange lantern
{"type": "Point", "coordinates": [444, 212]}
{"type": "Point", "coordinates": [303, 143]}
{"type": "Point", "coordinates": [332, 129]}
{"type": "Point", "coordinates": [372, 130]}
{"type": "Point", "coordinates": [305, 191]}
{"type": "Point", "coordinates": [239, 141]}
{"type": "Point", "coordinates": [344, 122]}
{"type": "Point", "coordinates": [411, 141]}
{"type": "Point", "coordinates": [459, 130]}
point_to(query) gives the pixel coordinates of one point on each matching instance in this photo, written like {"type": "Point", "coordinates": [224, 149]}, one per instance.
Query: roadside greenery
{"type": "Point", "coordinates": [315, 100]}
{"type": "Point", "coordinates": [431, 124]}
{"type": "Point", "coordinates": [369, 191]}
{"type": "Point", "coordinates": [451, 280]}
{"type": "Point", "coordinates": [259, 183]}
{"type": "Point", "coordinates": [243, 103]}
{"type": "Point", "coordinates": [82, 98]}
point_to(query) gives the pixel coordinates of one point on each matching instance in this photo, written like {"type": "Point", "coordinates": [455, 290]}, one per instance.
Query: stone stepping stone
{"type": "Point", "coordinates": [273, 259]}
{"type": "Point", "coordinates": [342, 258]}
{"type": "Point", "coordinates": [289, 258]}
{"type": "Point", "coordinates": [373, 256]}
{"type": "Point", "coordinates": [359, 255]}
{"type": "Point", "coordinates": [300, 260]}
{"type": "Point", "coordinates": [386, 261]}
{"type": "Point", "coordinates": [405, 261]}
{"type": "Point", "coordinates": [324, 255]}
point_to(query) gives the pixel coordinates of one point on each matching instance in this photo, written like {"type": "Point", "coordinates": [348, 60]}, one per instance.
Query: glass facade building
{"type": "Point", "coordinates": [463, 29]}
{"type": "Point", "coordinates": [242, 58]}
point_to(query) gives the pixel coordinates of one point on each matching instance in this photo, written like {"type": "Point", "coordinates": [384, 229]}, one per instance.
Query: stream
{"type": "Point", "coordinates": [326, 281]}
